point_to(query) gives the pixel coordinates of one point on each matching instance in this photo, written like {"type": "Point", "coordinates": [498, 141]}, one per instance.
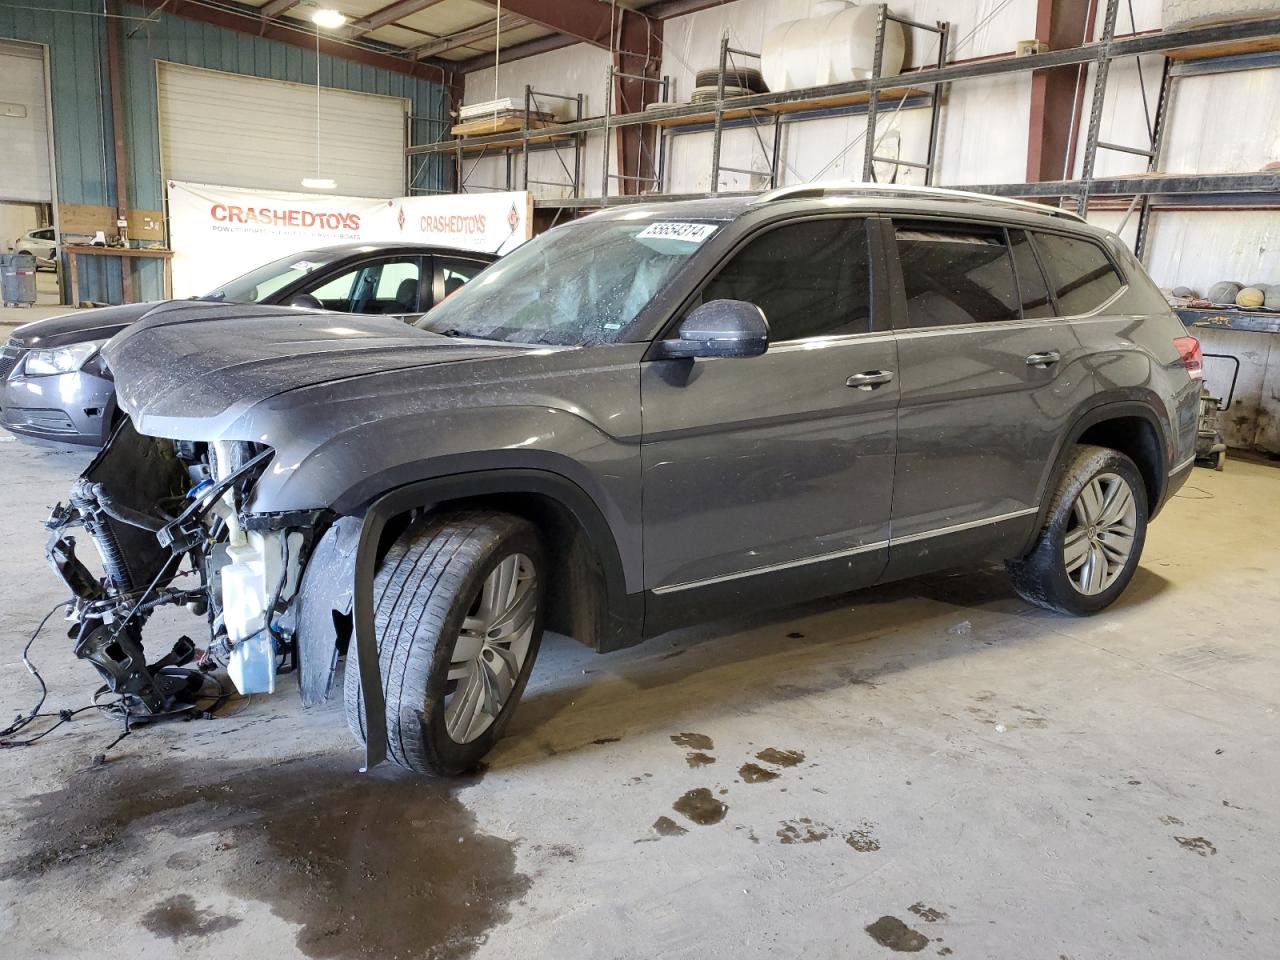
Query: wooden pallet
{"type": "Point", "coordinates": [507, 123]}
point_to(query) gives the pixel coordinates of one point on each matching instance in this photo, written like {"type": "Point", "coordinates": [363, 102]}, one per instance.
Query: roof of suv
{"type": "Point", "coordinates": [869, 197]}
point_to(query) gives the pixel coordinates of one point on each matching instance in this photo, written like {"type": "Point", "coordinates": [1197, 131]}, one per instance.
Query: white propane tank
{"type": "Point", "coordinates": [835, 45]}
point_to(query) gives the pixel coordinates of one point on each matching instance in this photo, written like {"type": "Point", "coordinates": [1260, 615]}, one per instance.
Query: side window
{"type": "Point", "coordinates": [1036, 302]}
{"type": "Point", "coordinates": [398, 288]}
{"type": "Point", "coordinates": [1081, 274]}
{"type": "Point", "coordinates": [811, 278]}
{"type": "Point", "coordinates": [336, 293]}
{"type": "Point", "coordinates": [956, 274]}
{"type": "Point", "coordinates": [453, 274]}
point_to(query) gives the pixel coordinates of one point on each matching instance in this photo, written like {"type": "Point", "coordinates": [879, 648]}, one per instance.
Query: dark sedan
{"type": "Point", "coordinates": [56, 386]}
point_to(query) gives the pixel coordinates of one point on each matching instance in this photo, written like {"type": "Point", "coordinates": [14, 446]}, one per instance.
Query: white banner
{"type": "Point", "coordinates": [218, 233]}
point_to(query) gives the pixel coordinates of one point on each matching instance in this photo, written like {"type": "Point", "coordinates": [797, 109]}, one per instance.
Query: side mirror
{"type": "Point", "coordinates": [720, 328]}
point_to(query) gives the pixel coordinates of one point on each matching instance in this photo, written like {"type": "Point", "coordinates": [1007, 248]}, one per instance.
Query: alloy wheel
{"type": "Point", "coordinates": [1100, 535]}
{"type": "Point", "coordinates": [491, 648]}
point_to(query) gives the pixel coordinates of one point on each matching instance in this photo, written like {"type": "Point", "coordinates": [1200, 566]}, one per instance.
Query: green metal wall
{"type": "Point", "coordinates": [82, 131]}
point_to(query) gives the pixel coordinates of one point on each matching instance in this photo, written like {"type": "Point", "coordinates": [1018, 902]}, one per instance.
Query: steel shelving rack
{"type": "Point", "coordinates": [1234, 45]}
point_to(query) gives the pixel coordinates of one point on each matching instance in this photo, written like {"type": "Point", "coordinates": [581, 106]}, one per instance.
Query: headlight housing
{"type": "Point", "coordinates": [41, 363]}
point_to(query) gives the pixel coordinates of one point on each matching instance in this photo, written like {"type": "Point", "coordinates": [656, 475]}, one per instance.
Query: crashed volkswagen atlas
{"type": "Point", "coordinates": [643, 419]}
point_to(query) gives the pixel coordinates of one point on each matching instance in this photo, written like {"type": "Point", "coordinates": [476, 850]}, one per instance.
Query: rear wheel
{"type": "Point", "coordinates": [1093, 536]}
{"type": "Point", "coordinates": [458, 614]}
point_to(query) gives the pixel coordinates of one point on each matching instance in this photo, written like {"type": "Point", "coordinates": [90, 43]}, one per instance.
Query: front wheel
{"type": "Point", "coordinates": [458, 603]}
{"type": "Point", "coordinates": [1093, 536]}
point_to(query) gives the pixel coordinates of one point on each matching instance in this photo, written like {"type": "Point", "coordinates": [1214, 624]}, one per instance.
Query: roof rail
{"type": "Point", "coordinates": [833, 187]}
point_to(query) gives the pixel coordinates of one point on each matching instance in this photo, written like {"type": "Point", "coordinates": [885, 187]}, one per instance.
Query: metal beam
{"type": "Point", "coordinates": [666, 9]}
{"type": "Point", "coordinates": [530, 48]}
{"type": "Point", "coordinates": [1157, 184]}
{"type": "Point", "coordinates": [295, 35]}
{"type": "Point", "coordinates": [1235, 31]}
{"type": "Point", "coordinates": [388, 15]}
{"type": "Point", "coordinates": [273, 8]}
{"type": "Point", "coordinates": [587, 20]}
{"type": "Point", "coordinates": [481, 31]}
{"type": "Point", "coordinates": [1060, 24]}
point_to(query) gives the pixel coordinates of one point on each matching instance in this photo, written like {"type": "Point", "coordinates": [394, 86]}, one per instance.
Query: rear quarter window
{"type": "Point", "coordinates": [1081, 274]}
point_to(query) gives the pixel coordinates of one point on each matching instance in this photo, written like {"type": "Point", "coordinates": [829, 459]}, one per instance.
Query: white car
{"type": "Point", "coordinates": [41, 244]}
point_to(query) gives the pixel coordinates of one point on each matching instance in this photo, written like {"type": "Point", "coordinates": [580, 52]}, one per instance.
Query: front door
{"type": "Point", "coordinates": [989, 377]}
{"type": "Point", "coordinates": [774, 474]}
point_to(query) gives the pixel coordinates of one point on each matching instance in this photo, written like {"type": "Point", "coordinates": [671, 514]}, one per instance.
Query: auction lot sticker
{"type": "Point", "coordinates": [670, 230]}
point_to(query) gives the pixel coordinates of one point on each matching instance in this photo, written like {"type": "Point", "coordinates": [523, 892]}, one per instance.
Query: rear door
{"type": "Point", "coordinates": [774, 473]}
{"type": "Point", "coordinates": [989, 377]}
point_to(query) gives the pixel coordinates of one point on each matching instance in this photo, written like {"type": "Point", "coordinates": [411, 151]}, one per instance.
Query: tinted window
{"type": "Point", "coordinates": [952, 276]}
{"type": "Point", "coordinates": [1035, 292]}
{"type": "Point", "coordinates": [810, 278]}
{"type": "Point", "coordinates": [1082, 276]}
{"type": "Point", "coordinates": [456, 274]}
{"type": "Point", "coordinates": [387, 287]}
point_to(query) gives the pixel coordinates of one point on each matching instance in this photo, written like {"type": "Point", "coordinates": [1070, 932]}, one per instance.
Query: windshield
{"type": "Point", "coordinates": [578, 284]}
{"type": "Point", "coordinates": [257, 285]}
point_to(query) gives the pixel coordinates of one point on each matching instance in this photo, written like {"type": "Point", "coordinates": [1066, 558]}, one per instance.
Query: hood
{"type": "Point", "coordinates": [100, 323]}
{"type": "Point", "coordinates": [190, 369]}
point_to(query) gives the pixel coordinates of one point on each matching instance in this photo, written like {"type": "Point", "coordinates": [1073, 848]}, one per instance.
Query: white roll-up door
{"type": "Point", "coordinates": [240, 131]}
{"type": "Point", "coordinates": [24, 125]}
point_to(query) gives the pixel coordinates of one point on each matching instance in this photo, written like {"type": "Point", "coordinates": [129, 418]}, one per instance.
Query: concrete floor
{"type": "Point", "coordinates": [978, 779]}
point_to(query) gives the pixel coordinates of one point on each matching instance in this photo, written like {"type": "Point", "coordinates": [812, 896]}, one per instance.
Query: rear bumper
{"type": "Point", "coordinates": [69, 407]}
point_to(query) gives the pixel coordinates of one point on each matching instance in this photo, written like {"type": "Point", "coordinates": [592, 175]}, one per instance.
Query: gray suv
{"type": "Point", "coordinates": [642, 419]}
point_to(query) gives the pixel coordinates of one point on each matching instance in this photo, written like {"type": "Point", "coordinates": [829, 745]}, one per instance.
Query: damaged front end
{"type": "Point", "coordinates": [169, 523]}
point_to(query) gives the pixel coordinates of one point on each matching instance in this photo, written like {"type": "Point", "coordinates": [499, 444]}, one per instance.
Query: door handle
{"type": "Point", "coordinates": [869, 380]}
{"type": "Point", "coordinates": [1044, 360]}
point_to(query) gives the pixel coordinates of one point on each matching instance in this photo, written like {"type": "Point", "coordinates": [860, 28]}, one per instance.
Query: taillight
{"type": "Point", "coordinates": [1189, 352]}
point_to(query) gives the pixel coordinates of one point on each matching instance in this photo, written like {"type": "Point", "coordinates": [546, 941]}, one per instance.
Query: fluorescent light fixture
{"type": "Point", "coordinates": [319, 183]}
{"type": "Point", "coordinates": [328, 18]}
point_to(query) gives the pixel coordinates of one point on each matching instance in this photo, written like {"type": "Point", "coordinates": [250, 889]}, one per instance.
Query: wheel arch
{"type": "Point", "coordinates": [587, 595]}
{"type": "Point", "coordinates": [1134, 428]}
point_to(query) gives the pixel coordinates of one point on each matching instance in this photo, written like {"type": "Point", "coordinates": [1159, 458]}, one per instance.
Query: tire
{"type": "Point", "coordinates": [1045, 577]}
{"type": "Point", "coordinates": [432, 583]}
{"type": "Point", "coordinates": [749, 78]}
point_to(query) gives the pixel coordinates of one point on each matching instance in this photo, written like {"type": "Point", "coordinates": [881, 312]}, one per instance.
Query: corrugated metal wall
{"type": "Point", "coordinates": [81, 117]}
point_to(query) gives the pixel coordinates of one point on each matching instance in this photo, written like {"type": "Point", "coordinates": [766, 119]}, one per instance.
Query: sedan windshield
{"type": "Point", "coordinates": [258, 285]}
{"type": "Point", "coordinates": [579, 284]}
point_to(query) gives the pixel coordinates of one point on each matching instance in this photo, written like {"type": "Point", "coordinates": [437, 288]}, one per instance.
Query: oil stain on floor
{"type": "Point", "coordinates": [701, 806]}
{"type": "Point", "coordinates": [377, 865]}
{"type": "Point", "coordinates": [754, 773]}
{"type": "Point", "coordinates": [694, 741]}
{"type": "Point", "coordinates": [178, 918]}
{"type": "Point", "coordinates": [893, 933]}
{"type": "Point", "coordinates": [780, 758]}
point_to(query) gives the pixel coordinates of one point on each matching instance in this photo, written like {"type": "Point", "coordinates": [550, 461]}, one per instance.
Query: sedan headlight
{"type": "Point", "coordinates": [68, 359]}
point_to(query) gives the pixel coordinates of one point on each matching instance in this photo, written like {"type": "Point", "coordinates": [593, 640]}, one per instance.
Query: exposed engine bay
{"type": "Point", "coordinates": [168, 521]}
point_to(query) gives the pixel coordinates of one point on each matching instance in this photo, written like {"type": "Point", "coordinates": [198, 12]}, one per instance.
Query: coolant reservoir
{"type": "Point", "coordinates": [836, 45]}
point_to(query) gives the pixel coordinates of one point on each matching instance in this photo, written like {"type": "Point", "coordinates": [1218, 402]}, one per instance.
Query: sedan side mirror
{"type": "Point", "coordinates": [720, 328]}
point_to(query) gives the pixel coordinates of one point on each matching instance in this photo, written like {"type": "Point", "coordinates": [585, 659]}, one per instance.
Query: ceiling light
{"type": "Point", "coordinates": [328, 18]}
{"type": "Point", "coordinates": [319, 183]}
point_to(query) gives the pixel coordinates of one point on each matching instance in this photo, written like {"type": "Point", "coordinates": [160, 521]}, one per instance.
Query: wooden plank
{"type": "Point", "coordinates": [505, 124]}
{"type": "Point", "coordinates": [146, 225]}
{"type": "Point", "coordinates": [83, 220]}
{"type": "Point", "coordinates": [156, 253]}
{"type": "Point", "coordinates": [888, 100]}
{"type": "Point", "coordinates": [513, 142]}
{"type": "Point", "coordinates": [1212, 50]}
